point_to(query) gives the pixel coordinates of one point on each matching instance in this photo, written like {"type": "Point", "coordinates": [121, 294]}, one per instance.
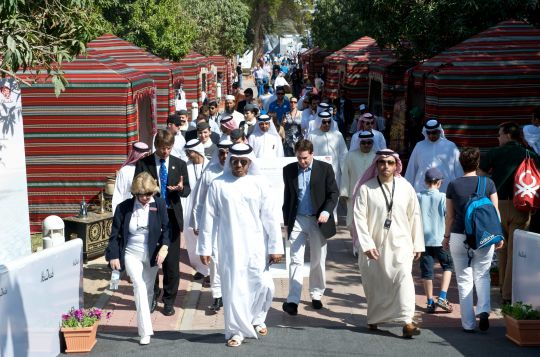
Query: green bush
{"type": "Point", "coordinates": [521, 311]}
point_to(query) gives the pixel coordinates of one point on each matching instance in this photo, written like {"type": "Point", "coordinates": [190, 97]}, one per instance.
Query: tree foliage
{"type": "Point", "coordinates": [162, 27]}
{"type": "Point", "coordinates": [416, 29]}
{"type": "Point", "coordinates": [220, 26]}
{"type": "Point", "coordinates": [42, 34]}
{"type": "Point", "coordinates": [274, 17]}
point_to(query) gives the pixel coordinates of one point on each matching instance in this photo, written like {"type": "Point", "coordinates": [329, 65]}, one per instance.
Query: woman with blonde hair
{"type": "Point", "coordinates": [139, 243]}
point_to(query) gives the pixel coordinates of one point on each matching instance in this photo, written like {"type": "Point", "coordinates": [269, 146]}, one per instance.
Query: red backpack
{"type": "Point", "coordinates": [527, 186]}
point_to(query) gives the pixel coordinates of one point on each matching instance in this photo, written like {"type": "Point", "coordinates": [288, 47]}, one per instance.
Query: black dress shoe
{"type": "Point", "coordinates": [217, 305]}
{"type": "Point", "coordinates": [153, 305]}
{"type": "Point", "coordinates": [291, 308]}
{"type": "Point", "coordinates": [168, 310]}
{"type": "Point", "coordinates": [317, 304]}
{"type": "Point", "coordinates": [198, 276]}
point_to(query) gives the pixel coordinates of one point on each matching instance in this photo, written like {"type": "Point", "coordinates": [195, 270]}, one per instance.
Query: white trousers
{"type": "Point", "coordinates": [142, 276]}
{"type": "Point", "coordinates": [191, 247]}
{"type": "Point", "coordinates": [306, 227]}
{"type": "Point", "coordinates": [469, 277]}
{"type": "Point", "coordinates": [215, 279]}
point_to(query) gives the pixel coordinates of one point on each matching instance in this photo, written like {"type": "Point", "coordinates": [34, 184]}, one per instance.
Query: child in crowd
{"type": "Point", "coordinates": [433, 207]}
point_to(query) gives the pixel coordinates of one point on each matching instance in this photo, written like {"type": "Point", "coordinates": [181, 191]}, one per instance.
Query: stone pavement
{"type": "Point", "coordinates": [338, 329]}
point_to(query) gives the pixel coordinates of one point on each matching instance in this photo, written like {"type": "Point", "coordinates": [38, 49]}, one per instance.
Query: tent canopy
{"type": "Point", "coordinates": [75, 141]}
{"type": "Point", "coordinates": [166, 75]}
{"type": "Point", "coordinates": [485, 80]}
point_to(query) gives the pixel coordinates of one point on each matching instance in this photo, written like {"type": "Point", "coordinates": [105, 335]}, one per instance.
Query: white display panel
{"type": "Point", "coordinates": [34, 293]}
{"type": "Point", "coordinates": [15, 227]}
{"type": "Point", "coordinates": [526, 269]}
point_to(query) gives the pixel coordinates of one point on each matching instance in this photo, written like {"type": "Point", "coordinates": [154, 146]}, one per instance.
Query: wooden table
{"type": "Point", "coordinates": [93, 229]}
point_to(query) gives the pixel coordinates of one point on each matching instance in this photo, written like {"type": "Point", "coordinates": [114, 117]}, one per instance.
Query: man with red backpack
{"type": "Point", "coordinates": [501, 163]}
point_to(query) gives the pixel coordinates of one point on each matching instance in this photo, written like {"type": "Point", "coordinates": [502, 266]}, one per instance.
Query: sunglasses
{"type": "Point", "coordinates": [147, 194]}
{"type": "Point", "coordinates": [367, 142]}
{"type": "Point", "coordinates": [368, 121]}
{"type": "Point", "coordinates": [326, 121]}
{"type": "Point", "coordinates": [242, 162]}
{"type": "Point", "coordinates": [294, 101]}
{"type": "Point", "coordinates": [211, 107]}
{"type": "Point", "coordinates": [433, 132]}
{"type": "Point", "coordinates": [280, 93]}
{"type": "Point", "coordinates": [386, 162]}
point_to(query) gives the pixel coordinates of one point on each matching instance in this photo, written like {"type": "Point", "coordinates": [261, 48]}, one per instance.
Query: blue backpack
{"type": "Point", "coordinates": [482, 222]}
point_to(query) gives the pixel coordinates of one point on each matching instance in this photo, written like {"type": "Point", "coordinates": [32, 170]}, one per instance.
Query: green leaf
{"type": "Point", "coordinates": [12, 46]}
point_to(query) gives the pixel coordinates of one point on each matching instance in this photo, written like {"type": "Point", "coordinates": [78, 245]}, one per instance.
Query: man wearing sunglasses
{"type": "Point", "coordinates": [434, 151]}
{"type": "Point", "coordinates": [367, 122]}
{"type": "Point", "coordinates": [388, 232]}
{"type": "Point", "coordinates": [240, 215]}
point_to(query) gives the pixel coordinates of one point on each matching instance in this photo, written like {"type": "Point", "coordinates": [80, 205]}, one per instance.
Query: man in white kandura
{"type": "Point", "coordinates": [240, 211]}
{"type": "Point", "coordinates": [389, 231]}
{"type": "Point", "coordinates": [366, 122]}
{"type": "Point", "coordinates": [328, 141]}
{"type": "Point", "coordinates": [434, 151]}
{"type": "Point", "coordinates": [124, 177]}
{"type": "Point", "coordinates": [265, 140]}
{"type": "Point", "coordinates": [356, 162]}
{"type": "Point", "coordinates": [197, 162]}
{"type": "Point", "coordinates": [213, 170]}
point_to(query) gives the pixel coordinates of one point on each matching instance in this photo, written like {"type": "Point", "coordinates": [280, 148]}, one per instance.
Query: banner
{"type": "Point", "coordinates": [15, 227]}
{"type": "Point", "coordinates": [34, 293]}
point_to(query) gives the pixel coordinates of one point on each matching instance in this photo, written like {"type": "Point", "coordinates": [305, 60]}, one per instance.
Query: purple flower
{"type": "Point", "coordinates": [65, 317]}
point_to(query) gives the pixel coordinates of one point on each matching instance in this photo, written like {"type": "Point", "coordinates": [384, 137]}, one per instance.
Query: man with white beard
{"type": "Point", "coordinates": [230, 105]}
{"type": "Point", "coordinates": [241, 212]}
{"type": "Point", "coordinates": [434, 151]}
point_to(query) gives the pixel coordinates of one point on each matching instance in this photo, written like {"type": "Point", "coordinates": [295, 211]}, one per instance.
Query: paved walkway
{"type": "Point", "coordinates": [336, 330]}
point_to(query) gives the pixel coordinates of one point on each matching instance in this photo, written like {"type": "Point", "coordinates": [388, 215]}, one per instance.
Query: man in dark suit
{"type": "Point", "coordinates": [171, 174]}
{"type": "Point", "coordinates": [344, 112]}
{"type": "Point", "coordinates": [310, 195]}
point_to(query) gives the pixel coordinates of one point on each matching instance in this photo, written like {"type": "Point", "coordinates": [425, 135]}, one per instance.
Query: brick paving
{"type": "Point", "coordinates": [344, 300]}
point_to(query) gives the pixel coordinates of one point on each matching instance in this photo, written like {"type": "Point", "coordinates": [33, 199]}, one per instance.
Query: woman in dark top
{"type": "Point", "coordinates": [475, 274]}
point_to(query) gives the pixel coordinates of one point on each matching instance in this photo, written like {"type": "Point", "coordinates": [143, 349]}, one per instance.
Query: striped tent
{"type": "Point", "coordinates": [353, 68]}
{"type": "Point", "coordinates": [198, 77]}
{"type": "Point", "coordinates": [314, 62]}
{"type": "Point", "coordinates": [75, 141]}
{"type": "Point", "coordinates": [225, 72]}
{"type": "Point", "coordinates": [304, 60]}
{"type": "Point", "coordinates": [472, 87]}
{"type": "Point", "coordinates": [166, 75]}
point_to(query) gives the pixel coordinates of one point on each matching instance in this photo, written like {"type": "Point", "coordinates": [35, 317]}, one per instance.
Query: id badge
{"type": "Point", "coordinates": [388, 221]}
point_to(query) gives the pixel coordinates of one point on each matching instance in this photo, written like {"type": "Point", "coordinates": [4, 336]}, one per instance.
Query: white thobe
{"type": "Point", "coordinates": [194, 174]}
{"type": "Point", "coordinates": [442, 154]}
{"type": "Point", "coordinates": [531, 133]}
{"type": "Point", "coordinates": [266, 146]}
{"type": "Point", "coordinates": [379, 142]}
{"type": "Point", "coordinates": [388, 281]}
{"type": "Point", "coordinates": [212, 171]}
{"type": "Point", "coordinates": [332, 144]}
{"type": "Point", "coordinates": [307, 117]}
{"type": "Point", "coordinates": [355, 164]}
{"type": "Point", "coordinates": [240, 214]}
{"type": "Point", "coordinates": [122, 185]}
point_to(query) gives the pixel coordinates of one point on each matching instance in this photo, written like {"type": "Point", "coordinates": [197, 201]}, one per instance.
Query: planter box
{"type": "Point", "coordinates": [79, 339]}
{"type": "Point", "coordinates": [523, 332]}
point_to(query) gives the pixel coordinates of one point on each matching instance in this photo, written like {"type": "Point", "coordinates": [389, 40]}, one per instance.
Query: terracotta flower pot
{"type": "Point", "coordinates": [523, 332]}
{"type": "Point", "coordinates": [79, 339]}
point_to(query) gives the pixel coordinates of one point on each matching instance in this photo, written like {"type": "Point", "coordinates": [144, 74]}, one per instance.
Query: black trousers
{"type": "Point", "coordinates": [171, 264]}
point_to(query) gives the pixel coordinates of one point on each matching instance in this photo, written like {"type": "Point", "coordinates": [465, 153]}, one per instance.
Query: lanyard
{"type": "Point", "coordinates": [391, 203]}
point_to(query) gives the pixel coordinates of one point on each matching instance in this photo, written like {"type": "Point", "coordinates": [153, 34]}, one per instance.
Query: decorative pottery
{"type": "Point", "coordinates": [79, 339]}
{"type": "Point", "coordinates": [523, 332]}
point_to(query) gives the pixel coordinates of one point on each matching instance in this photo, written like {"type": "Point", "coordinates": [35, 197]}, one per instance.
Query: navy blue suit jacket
{"type": "Point", "coordinates": [158, 226]}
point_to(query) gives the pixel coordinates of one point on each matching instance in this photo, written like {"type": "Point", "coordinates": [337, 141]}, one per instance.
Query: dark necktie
{"type": "Point", "coordinates": [163, 181]}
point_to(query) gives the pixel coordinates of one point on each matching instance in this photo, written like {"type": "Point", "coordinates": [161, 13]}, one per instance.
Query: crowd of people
{"type": "Point", "coordinates": [202, 178]}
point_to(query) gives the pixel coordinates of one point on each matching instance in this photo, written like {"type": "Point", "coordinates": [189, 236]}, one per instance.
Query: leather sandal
{"type": "Point", "coordinates": [261, 329]}
{"type": "Point", "coordinates": [234, 341]}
